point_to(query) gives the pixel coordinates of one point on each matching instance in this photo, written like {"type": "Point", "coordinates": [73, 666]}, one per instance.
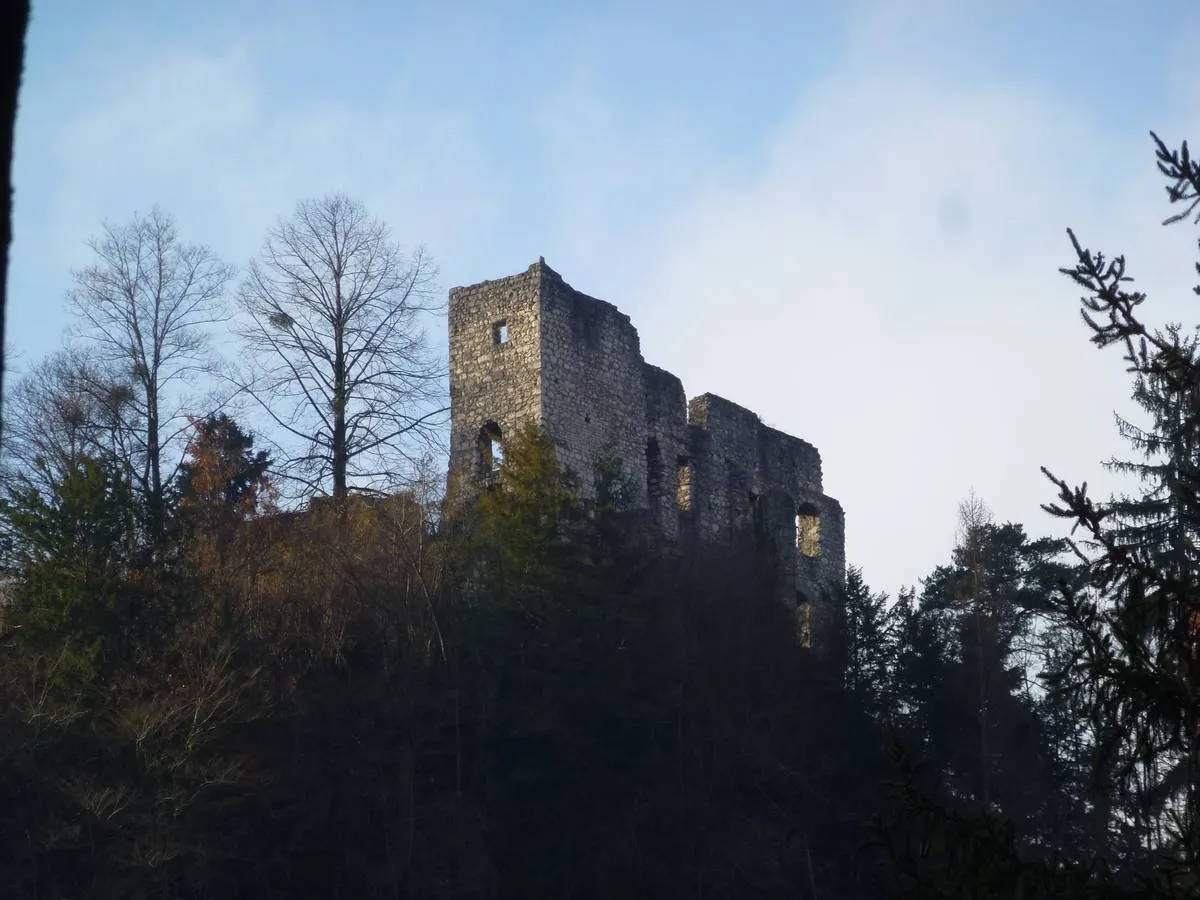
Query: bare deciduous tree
{"type": "Point", "coordinates": [64, 407]}
{"type": "Point", "coordinates": [974, 520]}
{"type": "Point", "coordinates": [338, 356]}
{"type": "Point", "coordinates": [147, 302]}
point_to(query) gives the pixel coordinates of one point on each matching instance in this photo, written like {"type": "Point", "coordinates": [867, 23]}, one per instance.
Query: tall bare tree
{"type": "Point", "coordinates": [974, 520]}
{"type": "Point", "coordinates": [339, 359]}
{"type": "Point", "coordinates": [147, 302]}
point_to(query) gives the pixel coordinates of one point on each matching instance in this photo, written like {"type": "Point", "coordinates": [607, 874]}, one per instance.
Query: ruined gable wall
{"type": "Point", "coordinates": [738, 458]}
{"type": "Point", "coordinates": [593, 393]}
{"type": "Point", "coordinates": [489, 381]}
{"type": "Point", "coordinates": [753, 479]}
{"type": "Point", "coordinates": [830, 566]}
{"type": "Point", "coordinates": [727, 469]}
{"type": "Point", "coordinates": [796, 467]}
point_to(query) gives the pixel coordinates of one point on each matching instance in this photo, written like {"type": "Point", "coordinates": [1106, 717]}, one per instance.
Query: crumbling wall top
{"type": "Point", "coordinates": [590, 318]}
{"type": "Point", "coordinates": [739, 433]}
{"type": "Point", "coordinates": [666, 402]}
{"type": "Point", "coordinates": [781, 451]}
{"type": "Point", "coordinates": [708, 409]}
{"type": "Point", "coordinates": [479, 286]}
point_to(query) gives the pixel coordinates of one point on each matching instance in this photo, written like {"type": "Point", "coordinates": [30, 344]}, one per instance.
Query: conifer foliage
{"type": "Point", "coordinates": [1141, 644]}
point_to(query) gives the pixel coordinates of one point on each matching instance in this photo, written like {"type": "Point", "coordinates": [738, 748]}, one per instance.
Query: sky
{"type": "Point", "coordinates": [848, 216]}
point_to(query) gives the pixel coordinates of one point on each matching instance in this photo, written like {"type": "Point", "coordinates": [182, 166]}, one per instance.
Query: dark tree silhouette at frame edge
{"type": "Point", "coordinates": [14, 24]}
{"type": "Point", "coordinates": [1136, 663]}
{"type": "Point", "coordinates": [1147, 629]}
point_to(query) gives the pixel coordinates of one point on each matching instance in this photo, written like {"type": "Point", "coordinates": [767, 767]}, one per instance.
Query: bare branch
{"type": "Point", "coordinates": [339, 359]}
{"type": "Point", "coordinates": [145, 305]}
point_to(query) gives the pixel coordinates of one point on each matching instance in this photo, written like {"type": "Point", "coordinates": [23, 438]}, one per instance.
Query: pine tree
{"type": "Point", "coordinates": [866, 643]}
{"type": "Point", "coordinates": [222, 476]}
{"type": "Point", "coordinates": [1140, 622]}
{"type": "Point", "coordinates": [78, 562]}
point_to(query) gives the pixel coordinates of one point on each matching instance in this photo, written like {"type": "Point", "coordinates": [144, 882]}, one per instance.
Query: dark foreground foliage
{"type": "Point", "coordinates": [338, 705]}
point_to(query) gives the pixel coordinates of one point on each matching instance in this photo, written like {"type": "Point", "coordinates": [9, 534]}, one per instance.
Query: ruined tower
{"type": "Point", "coordinates": [530, 348]}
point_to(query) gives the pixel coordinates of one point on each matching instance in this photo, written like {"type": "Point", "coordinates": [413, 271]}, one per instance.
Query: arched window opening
{"type": "Point", "coordinates": [808, 530]}
{"type": "Point", "coordinates": [653, 470]}
{"type": "Point", "coordinates": [491, 450]}
{"type": "Point", "coordinates": [803, 615]}
{"type": "Point", "coordinates": [685, 477]}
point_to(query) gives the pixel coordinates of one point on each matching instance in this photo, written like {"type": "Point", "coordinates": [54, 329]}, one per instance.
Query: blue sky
{"type": "Point", "coordinates": [847, 216]}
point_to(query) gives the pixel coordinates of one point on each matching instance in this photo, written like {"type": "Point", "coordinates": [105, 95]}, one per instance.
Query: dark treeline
{"type": "Point", "coordinates": [237, 670]}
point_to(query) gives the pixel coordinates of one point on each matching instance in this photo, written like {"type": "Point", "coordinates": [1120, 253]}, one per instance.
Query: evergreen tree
{"type": "Point", "coordinates": [222, 477]}
{"type": "Point", "coordinates": [919, 674]}
{"type": "Point", "coordinates": [1140, 648]}
{"type": "Point", "coordinates": [1160, 522]}
{"type": "Point", "coordinates": [1127, 650]}
{"type": "Point", "coordinates": [78, 564]}
{"type": "Point", "coordinates": [865, 644]}
{"type": "Point", "coordinates": [528, 531]}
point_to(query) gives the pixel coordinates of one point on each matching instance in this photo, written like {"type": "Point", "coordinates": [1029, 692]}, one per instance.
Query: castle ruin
{"type": "Point", "coordinates": [530, 348]}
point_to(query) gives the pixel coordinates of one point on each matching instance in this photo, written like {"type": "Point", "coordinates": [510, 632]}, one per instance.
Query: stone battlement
{"type": "Point", "coordinates": [530, 348]}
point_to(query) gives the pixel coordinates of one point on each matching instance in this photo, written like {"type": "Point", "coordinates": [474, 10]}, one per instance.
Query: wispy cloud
{"type": "Point", "coordinates": [887, 287]}
{"type": "Point", "coordinates": [200, 134]}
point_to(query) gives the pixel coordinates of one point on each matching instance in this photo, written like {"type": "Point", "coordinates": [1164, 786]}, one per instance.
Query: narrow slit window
{"type": "Point", "coordinates": [653, 469]}
{"type": "Point", "coordinates": [808, 531]}
{"type": "Point", "coordinates": [684, 484]}
{"type": "Point", "coordinates": [500, 332]}
{"type": "Point", "coordinates": [803, 620]}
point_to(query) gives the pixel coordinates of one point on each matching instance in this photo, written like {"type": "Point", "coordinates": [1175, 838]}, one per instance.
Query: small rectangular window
{"type": "Point", "coordinates": [500, 332]}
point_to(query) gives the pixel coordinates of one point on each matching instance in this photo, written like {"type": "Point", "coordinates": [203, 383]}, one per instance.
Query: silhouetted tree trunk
{"type": "Point", "coordinates": [14, 24]}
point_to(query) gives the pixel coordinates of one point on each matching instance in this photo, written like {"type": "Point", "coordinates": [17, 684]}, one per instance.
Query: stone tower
{"type": "Point", "coordinates": [530, 348]}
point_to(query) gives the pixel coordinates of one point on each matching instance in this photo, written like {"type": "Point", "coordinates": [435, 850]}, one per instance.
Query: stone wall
{"type": "Point", "coordinates": [753, 481]}
{"type": "Point", "coordinates": [592, 386]}
{"type": "Point", "coordinates": [530, 348]}
{"type": "Point", "coordinates": [491, 381]}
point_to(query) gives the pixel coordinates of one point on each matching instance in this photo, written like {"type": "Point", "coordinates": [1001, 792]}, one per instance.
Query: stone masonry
{"type": "Point", "coordinates": [530, 348]}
